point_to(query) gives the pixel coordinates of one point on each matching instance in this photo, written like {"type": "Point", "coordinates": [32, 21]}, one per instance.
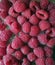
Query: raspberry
{"type": "Point", "coordinates": [33, 42]}
{"type": "Point", "coordinates": [25, 50]}
{"type": "Point", "coordinates": [40, 61]}
{"type": "Point", "coordinates": [34, 31]}
{"type": "Point", "coordinates": [16, 43]}
{"type": "Point", "coordinates": [44, 3]}
{"type": "Point", "coordinates": [49, 61]}
{"type": "Point", "coordinates": [18, 55]}
{"type": "Point", "coordinates": [42, 14]}
{"type": "Point", "coordinates": [49, 52]}
{"type": "Point", "coordinates": [24, 37]}
{"type": "Point", "coordinates": [44, 25]}
{"type": "Point", "coordinates": [31, 57]}
{"type": "Point", "coordinates": [21, 19]}
{"type": "Point", "coordinates": [25, 62]}
{"type": "Point", "coordinates": [39, 52]}
{"type": "Point", "coordinates": [19, 6]}
{"type": "Point", "coordinates": [34, 6]}
{"type": "Point", "coordinates": [42, 39]}
{"type": "Point", "coordinates": [33, 19]}
{"type": "Point", "coordinates": [27, 13]}
{"type": "Point", "coordinates": [26, 27]}
{"type": "Point", "coordinates": [9, 49]}
{"type": "Point", "coordinates": [1, 62]}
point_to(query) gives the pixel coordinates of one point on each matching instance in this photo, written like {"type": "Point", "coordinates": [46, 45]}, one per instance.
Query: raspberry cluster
{"type": "Point", "coordinates": [27, 32]}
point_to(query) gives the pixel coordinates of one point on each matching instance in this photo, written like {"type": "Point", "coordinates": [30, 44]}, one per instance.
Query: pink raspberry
{"type": "Point", "coordinates": [25, 62]}
{"type": "Point", "coordinates": [33, 42]}
{"type": "Point", "coordinates": [44, 4]}
{"type": "Point", "coordinates": [33, 19]}
{"type": "Point", "coordinates": [26, 27]}
{"type": "Point", "coordinates": [31, 57]}
{"type": "Point", "coordinates": [49, 61]}
{"type": "Point", "coordinates": [24, 37]}
{"type": "Point", "coordinates": [21, 19]}
{"type": "Point", "coordinates": [9, 49]}
{"type": "Point", "coordinates": [42, 39]}
{"type": "Point", "coordinates": [42, 14]}
{"type": "Point", "coordinates": [25, 50]}
{"type": "Point", "coordinates": [16, 43]}
{"type": "Point", "coordinates": [39, 52]}
{"type": "Point", "coordinates": [34, 6]}
{"type": "Point", "coordinates": [44, 25]}
{"type": "Point", "coordinates": [40, 61]}
{"type": "Point", "coordinates": [19, 6]}
{"type": "Point", "coordinates": [27, 13]}
{"type": "Point", "coordinates": [34, 31]}
{"type": "Point", "coordinates": [1, 62]}
{"type": "Point", "coordinates": [2, 51]}
{"type": "Point", "coordinates": [18, 55]}
{"type": "Point", "coordinates": [48, 51]}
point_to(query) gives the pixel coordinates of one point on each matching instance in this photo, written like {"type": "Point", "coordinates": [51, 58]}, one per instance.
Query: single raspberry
{"type": "Point", "coordinates": [24, 37]}
{"type": "Point", "coordinates": [43, 39]}
{"type": "Point", "coordinates": [31, 57]}
{"type": "Point", "coordinates": [25, 62]}
{"type": "Point", "coordinates": [44, 25]}
{"type": "Point", "coordinates": [18, 55]}
{"type": "Point", "coordinates": [42, 14]}
{"type": "Point", "coordinates": [1, 62]}
{"type": "Point", "coordinates": [40, 61]}
{"type": "Point", "coordinates": [26, 27]}
{"type": "Point", "coordinates": [39, 52]}
{"type": "Point", "coordinates": [34, 6]}
{"type": "Point", "coordinates": [25, 50]}
{"type": "Point", "coordinates": [33, 42]}
{"type": "Point", "coordinates": [44, 4]}
{"type": "Point", "coordinates": [16, 43]}
{"type": "Point", "coordinates": [48, 51]}
{"type": "Point", "coordinates": [49, 61]}
{"type": "Point", "coordinates": [19, 6]}
{"type": "Point", "coordinates": [33, 19]}
{"type": "Point", "coordinates": [27, 13]}
{"type": "Point", "coordinates": [21, 19]}
{"type": "Point", "coordinates": [9, 49]}
{"type": "Point", "coordinates": [34, 31]}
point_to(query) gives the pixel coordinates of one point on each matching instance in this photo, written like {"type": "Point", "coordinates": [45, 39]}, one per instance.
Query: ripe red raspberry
{"type": "Point", "coordinates": [44, 4]}
{"type": "Point", "coordinates": [12, 12]}
{"type": "Point", "coordinates": [19, 6]}
{"type": "Point", "coordinates": [18, 55]}
{"type": "Point", "coordinates": [33, 42]}
{"type": "Point", "coordinates": [5, 35]}
{"type": "Point", "coordinates": [26, 27]}
{"type": "Point", "coordinates": [27, 13]}
{"type": "Point", "coordinates": [21, 19]}
{"type": "Point", "coordinates": [39, 52]}
{"type": "Point", "coordinates": [25, 50]}
{"type": "Point", "coordinates": [16, 43]}
{"type": "Point", "coordinates": [15, 28]}
{"type": "Point", "coordinates": [24, 37]}
{"type": "Point", "coordinates": [49, 61]}
{"type": "Point", "coordinates": [40, 61]}
{"type": "Point", "coordinates": [1, 62]}
{"type": "Point", "coordinates": [34, 6]}
{"type": "Point", "coordinates": [48, 51]}
{"type": "Point", "coordinates": [51, 43]}
{"type": "Point", "coordinates": [34, 31]}
{"type": "Point", "coordinates": [25, 62]}
{"type": "Point", "coordinates": [31, 57]}
{"type": "Point", "coordinates": [42, 39]}
{"type": "Point", "coordinates": [2, 51]}
{"type": "Point", "coordinates": [42, 14]}
{"type": "Point", "coordinates": [44, 25]}
{"type": "Point", "coordinates": [9, 49]}
{"type": "Point", "coordinates": [33, 19]}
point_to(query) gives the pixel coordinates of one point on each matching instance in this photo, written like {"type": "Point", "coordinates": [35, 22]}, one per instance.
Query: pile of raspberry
{"type": "Point", "coordinates": [27, 32]}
